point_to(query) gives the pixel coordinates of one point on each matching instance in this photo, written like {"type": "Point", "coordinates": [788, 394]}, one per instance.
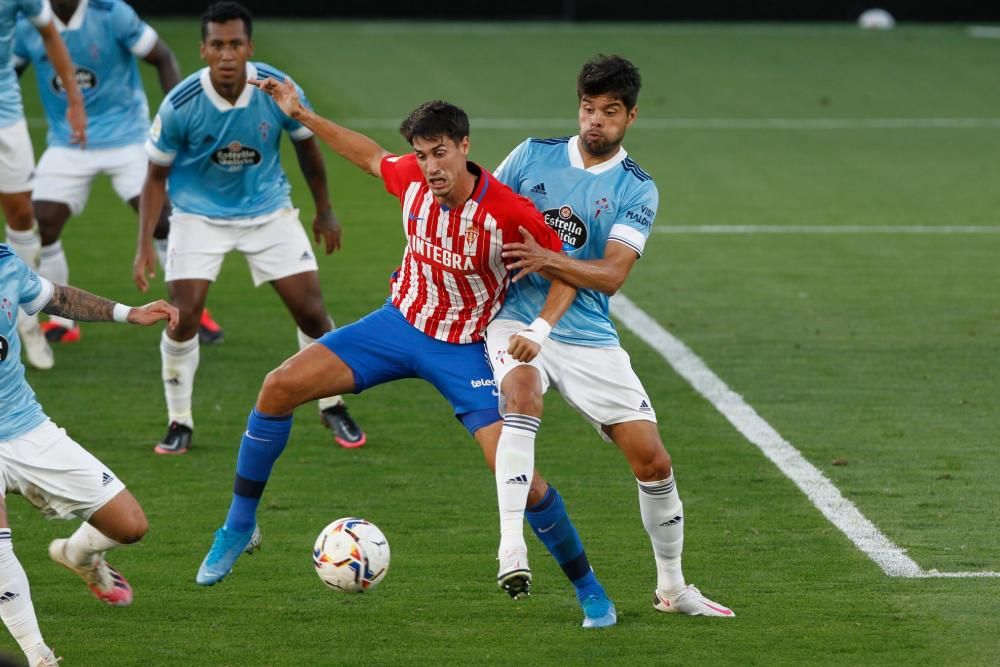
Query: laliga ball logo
{"type": "Point", "coordinates": [351, 555]}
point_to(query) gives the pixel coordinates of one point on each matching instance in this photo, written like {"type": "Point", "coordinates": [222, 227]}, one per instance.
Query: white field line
{"type": "Point", "coordinates": [984, 32]}
{"type": "Point", "coordinates": [827, 229]}
{"type": "Point", "coordinates": [820, 491]}
{"type": "Point", "coordinates": [566, 125]}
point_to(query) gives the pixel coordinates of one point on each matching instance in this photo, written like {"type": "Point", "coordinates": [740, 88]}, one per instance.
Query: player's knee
{"type": "Point", "coordinates": [652, 463]}
{"type": "Point", "coordinates": [134, 527]}
{"type": "Point", "coordinates": [523, 398]}
{"type": "Point", "coordinates": [279, 393]}
{"type": "Point", "coordinates": [19, 213]}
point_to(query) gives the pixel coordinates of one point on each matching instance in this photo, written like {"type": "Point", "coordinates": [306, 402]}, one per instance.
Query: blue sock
{"type": "Point", "coordinates": [262, 444]}
{"type": "Point", "coordinates": [551, 524]}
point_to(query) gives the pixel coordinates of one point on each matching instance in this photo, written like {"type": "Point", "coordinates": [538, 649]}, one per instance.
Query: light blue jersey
{"type": "Point", "coordinates": [614, 201]}
{"type": "Point", "coordinates": [104, 38]}
{"type": "Point", "coordinates": [19, 286]}
{"type": "Point", "coordinates": [225, 157]}
{"type": "Point", "coordinates": [40, 14]}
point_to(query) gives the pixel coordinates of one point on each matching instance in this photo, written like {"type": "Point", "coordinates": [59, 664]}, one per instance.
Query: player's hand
{"type": "Point", "coordinates": [283, 92]}
{"type": "Point", "coordinates": [76, 116]}
{"type": "Point", "coordinates": [522, 349]}
{"type": "Point", "coordinates": [154, 312]}
{"type": "Point", "coordinates": [327, 227]}
{"type": "Point", "coordinates": [144, 265]}
{"type": "Point", "coordinates": [527, 256]}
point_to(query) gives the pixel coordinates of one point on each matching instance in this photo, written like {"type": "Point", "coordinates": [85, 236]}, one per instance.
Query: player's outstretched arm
{"type": "Point", "coordinates": [77, 304]}
{"type": "Point", "coordinates": [604, 275]}
{"type": "Point", "coordinates": [351, 145]}
{"type": "Point", "coordinates": [163, 59]}
{"type": "Point", "coordinates": [325, 223]}
{"type": "Point", "coordinates": [55, 48]}
{"type": "Point", "coordinates": [151, 201]}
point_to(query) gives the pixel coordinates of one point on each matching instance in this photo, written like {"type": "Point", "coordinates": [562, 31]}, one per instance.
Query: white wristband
{"type": "Point", "coordinates": [120, 313]}
{"type": "Point", "coordinates": [537, 331]}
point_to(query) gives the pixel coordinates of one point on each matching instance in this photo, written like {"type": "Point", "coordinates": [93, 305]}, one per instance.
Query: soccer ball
{"type": "Point", "coordinates": [351, 555]}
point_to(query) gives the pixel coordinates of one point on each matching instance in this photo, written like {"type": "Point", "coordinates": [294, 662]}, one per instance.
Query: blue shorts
{"type": "Point", "coordinates": [383, 346]}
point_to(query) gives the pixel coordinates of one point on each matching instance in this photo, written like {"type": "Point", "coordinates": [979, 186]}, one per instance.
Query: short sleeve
{"type": "Point", "coordinates": [131, 31]}
{"type": "Point", "coordinates": [34, 292]}
{"type": "Point", "coordinates": [509, 171]}
{"type": "Point", "coordinates": [397, 173]}
{"type": "Point", "coordinates": [635, 217]}
{"type": "Point", "coordinates": [296, 130]}
{"type": "Point", "coordinates": [532, 219]}
{"type": "Point", "coordinates": [39, 12]}
{"type": "Point", "coordinates": [165, 135]}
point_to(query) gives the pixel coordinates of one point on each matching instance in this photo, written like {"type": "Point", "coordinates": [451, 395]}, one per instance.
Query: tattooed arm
{"type": "Point", "coordinates": [77, 304]}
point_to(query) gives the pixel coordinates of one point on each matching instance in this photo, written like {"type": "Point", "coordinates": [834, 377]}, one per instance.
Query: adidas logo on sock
{"type": "Point", "coordinates": [8, 596]}
{"type": "Point", "coordinates": [644, 407]}
{"type": "Point", "coordinates": [520, 479]}
{"type": "Point", "coordinates": [539, 190]}
{"type": "Point", "coordinates": [175, 381]}
{"type": "Point", "coordinates": [673, 522]}
{"type": "Point", "coordinates": [106, 479]}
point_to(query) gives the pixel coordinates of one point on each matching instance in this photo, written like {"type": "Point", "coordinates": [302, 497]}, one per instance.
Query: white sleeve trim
{"type": "Point", "coordinates": [157, 156]}
{"type": "Point", "coordinates": [630, 236]}
{"type": "Point", "coordinates": [44, 17]}
{"type": "Point", "coordinates": [19, 61]}
{"type": "Point", "coordinates": [300, 134]}
{"type": "Point", "coordinates": [145, 43]}
{"type": "Point", "coordinates": [43, 298]}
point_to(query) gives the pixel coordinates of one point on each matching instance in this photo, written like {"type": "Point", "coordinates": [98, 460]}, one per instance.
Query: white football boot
{"type": "Point", "coordinates": [691, 602]}
{"type": "Point", "coordinates": [514, 575]}
{"type": "Point", "coordinates": [36, 348]}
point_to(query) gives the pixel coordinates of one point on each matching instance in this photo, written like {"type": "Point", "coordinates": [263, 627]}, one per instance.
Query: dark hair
{"type": "Point", "coordinates": [436, 119]}
{"type": "Point", "coordinates": [221, 12]}
{"type": "Point", "coordinates": [610, 75]}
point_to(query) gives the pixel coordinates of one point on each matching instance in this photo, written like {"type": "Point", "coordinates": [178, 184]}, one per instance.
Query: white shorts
{"type": "Point", "coordinates": [55, 474]}
{"type": "Point", "coordinates": [274, 249]}
{"type": "Point", "coordinates": [17, 158]}
{"type": "Point", "coordinates": [65, 175]}
{"type": "Point", "coordinates": [598, 382]}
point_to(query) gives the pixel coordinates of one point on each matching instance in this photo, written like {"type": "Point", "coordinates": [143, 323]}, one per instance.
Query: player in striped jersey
{"type": "Point", "coordinates": [603, 206]}
{"type": "Point", "coordinates": [452, 281]}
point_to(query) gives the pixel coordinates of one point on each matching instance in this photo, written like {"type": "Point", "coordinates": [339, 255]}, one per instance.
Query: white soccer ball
{"type": "Point", "coordinates": [351, 555]}
{"type": "Point", "coordinates": [876, 19]}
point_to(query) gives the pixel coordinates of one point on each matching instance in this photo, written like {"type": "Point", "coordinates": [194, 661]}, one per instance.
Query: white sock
{"type": "Point", "coordinates": [179, 363]}
{"type": "Point", "coordinates": [15, 600]}
{"type": "Point", "coordinates": [514, 469]}
{"type": "Point", "coordinates": [161, 252]}
{"type": "Point", "coordinates": [663, 516]}
{"type": "Point", "coordinates": [85, 543]}
{"type": "Point", "coordinates": [304, 342]}
{"type": "Point", "coordinates": [26, 245]}
{"type": "Point", "coordinates": [53, 265]}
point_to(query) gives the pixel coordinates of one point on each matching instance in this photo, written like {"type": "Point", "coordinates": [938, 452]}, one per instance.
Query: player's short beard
{"type": "Point", "coordinates": [602, 148]}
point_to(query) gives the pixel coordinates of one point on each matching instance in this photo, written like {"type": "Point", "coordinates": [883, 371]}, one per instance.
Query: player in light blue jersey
{"type": "Point", "coordinates": [104, 38]}
{"type": "Point", "coordinates": [216, 143]}
{"type": "Point", "coordinates": [17, 158]}
{"type": "Point", "coordinates": [39, 461]}
{"type": "Point", "coordinates": [602, 204]}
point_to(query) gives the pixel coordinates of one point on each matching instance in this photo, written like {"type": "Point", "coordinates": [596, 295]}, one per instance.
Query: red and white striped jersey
{"type": "Point", "coordinates": [452, 280]}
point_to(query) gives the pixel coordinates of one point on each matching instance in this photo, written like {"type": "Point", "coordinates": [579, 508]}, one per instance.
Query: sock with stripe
{"type": "Point", "coordinates": [552, 526]}
{"type": "Point", "coordinates": [663, 517]}
{"type": "Point", "coordinates": [304, 342]}
{"type": "Point", "coordinates": [262, 444]}
{"type": "Point", "coordinates": [179, 359]}
{"type": "Point", "coordinates": [514, 468]}
{"type": "Point", "coordinates": [53, 265]}
{"type": "Point", "coordinates": [16, 609]}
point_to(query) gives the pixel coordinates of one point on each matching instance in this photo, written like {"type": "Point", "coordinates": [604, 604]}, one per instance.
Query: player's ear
{"type": "Point", "coordinates": [463, 145]}
{"type": "Point", "coordinates": [250, 47]}
{"type": "Point", "coordinates": [632, 113]}
{"type": "Point", "coordinates": [201, 49]}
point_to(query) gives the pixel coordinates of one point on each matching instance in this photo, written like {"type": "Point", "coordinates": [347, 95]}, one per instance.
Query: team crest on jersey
{"type": "Point", "coordinates": [471, 235]}
{"type": "Point", "coordinates": [602, 207]}
{"type": "Point", "coordinates": [567, 224]}
{"type": "Point", "coordinates": [4, 349]}
{"type": "Point", "coordinates": [8, 308]}
{"type": "Point", "coordinates": [86, 79]}
{"type": "Point", "coordinates": [156, 128]}
{"type": "Point", "coordinates": [264, 128]}
{"type": "Point", "coordinates": [235, 156]}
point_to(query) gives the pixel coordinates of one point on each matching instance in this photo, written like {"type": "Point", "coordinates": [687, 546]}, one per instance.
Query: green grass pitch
{"type": "Point", "coordinates": [878, 351]}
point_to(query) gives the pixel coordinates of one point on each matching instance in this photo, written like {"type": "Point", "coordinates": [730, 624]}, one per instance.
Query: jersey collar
{"type": "Point", "coordinates": [221, 103]}
{"type": "Point", "coordinates": [75, 21]}
{"type": "Point", "coordinates": [576, 158]}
